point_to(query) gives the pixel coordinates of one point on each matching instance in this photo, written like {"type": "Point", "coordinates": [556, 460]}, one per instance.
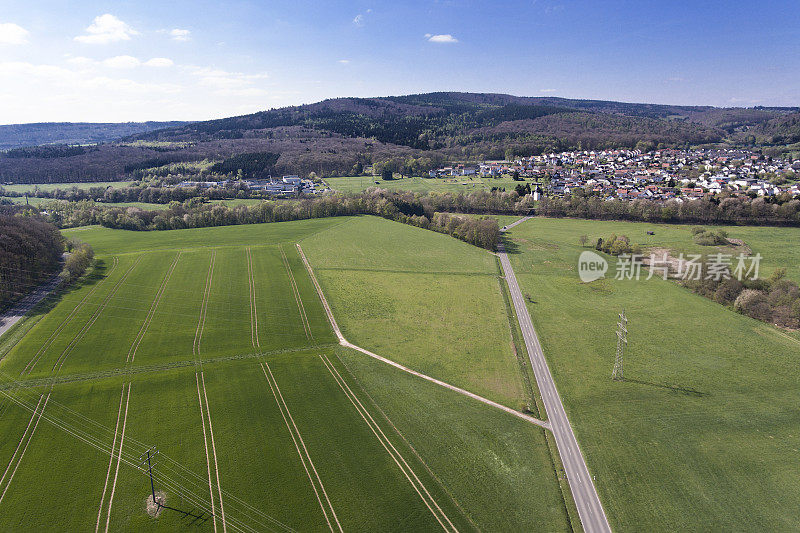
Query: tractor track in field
{"type": "Point", "coordinates": [201, 322]}
{"type": "Point", "coordinates": [119, 459]}
{"type": "Point", "coordinates": [27, 443]}
{"type": "Point", "coordinates": [89, 323]}
{"type": "Point", "coordinates": [305, 457]}
{"type": "Point", "coordinates": [253, 308]}
{"type": "Point", "coordinates": [206, 412]}
{"type": "Point", "coordinates": [397, 457]}
{"type": "Point", "coordinates": [298, 299]}
{"type": "Point", "coordinates": [49, 341]}
{"type": "Point", "coordinates": [110, 461]}
{"type": "Point", "coordinates": [344, 342]}
{"type": "Point", "coordinates": [152, 311]}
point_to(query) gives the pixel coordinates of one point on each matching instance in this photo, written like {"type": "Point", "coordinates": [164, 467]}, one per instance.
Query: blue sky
{"type": "Point", "coordinates": [143, 60]}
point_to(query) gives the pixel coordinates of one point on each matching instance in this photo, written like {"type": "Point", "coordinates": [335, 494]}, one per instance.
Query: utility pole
{"type": "Point", "coordinates": [147, 457]}
{"type": "Point", "coordinates": [622, 341]}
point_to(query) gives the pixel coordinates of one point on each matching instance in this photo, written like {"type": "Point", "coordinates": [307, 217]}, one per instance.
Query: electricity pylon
{"type": "Point", "coordinates": [622, 341]}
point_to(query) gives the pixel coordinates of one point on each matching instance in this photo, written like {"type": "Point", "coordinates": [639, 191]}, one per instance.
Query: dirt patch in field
{"type": "Point", "coordinates": [154, 508]}
{"type": "Point", "coordinates": [740, 246]}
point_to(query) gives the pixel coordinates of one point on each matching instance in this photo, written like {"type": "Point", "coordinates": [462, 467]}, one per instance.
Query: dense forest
{"type": "Point", "coordinates": [30, 252]}
{"type": "Point", "coordinates": [335, 136]}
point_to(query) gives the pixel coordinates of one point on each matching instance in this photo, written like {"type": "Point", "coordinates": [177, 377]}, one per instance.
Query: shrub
{"type": "Point", "coordinates": [754, 304]}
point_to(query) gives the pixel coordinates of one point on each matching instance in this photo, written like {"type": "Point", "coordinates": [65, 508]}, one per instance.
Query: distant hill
{"type": "Point", "coordinates": [338, 135]}
{"type": "Point", "coordinates": [20, 135]}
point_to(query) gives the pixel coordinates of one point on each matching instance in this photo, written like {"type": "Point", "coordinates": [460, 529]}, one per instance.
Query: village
{"type": "Point", "coordinates": [657, 175]}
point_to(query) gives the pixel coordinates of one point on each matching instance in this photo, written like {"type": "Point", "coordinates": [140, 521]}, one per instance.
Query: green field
{"type": "Point", "coordinates": [397, 291]}
{"type": "Point", "coordinates": [212, 345]}
{"type": "Point", "coordinates": [422, 185]}
{"type": "Point", "coordinates": [702, 435]}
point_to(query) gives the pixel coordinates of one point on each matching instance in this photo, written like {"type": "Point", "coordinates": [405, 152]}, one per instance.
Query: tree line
{"type": "Point", "coordinates": [30, 252]}
{"type": "Point", "coordinates": [442, 212]}
{"type": "Point", "coordinates": [723, 209]}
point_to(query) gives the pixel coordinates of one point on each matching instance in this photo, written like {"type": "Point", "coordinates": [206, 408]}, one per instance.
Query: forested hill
{"type": "Point", "coordinates": [20, 135]}
{"type": "Point", "coordinates": [343, 134]}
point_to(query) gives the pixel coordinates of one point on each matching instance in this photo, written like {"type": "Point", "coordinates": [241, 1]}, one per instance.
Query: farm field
{"type": "Point", "coordinates": [770, 242]}
{"type": "Point", "coordinates": [212, 346]}
{"type": "Point", "coordinates": [421, 185]}
{"type": "Point", "coordinates": [701, 434]}
{"type": "Point", "coordinates": [399, 290]}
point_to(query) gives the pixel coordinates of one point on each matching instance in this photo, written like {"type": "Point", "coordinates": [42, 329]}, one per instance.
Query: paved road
{"type": "Point", "coordinates": [590, 510]}
{"type": "Point", "coordinates": [13, 315]}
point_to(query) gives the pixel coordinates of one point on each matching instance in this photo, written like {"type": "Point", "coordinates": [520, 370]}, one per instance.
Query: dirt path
{"type": "Point", "coordinates": [344, 342]}
{"type": "Point", "coordinates": [305, 457]}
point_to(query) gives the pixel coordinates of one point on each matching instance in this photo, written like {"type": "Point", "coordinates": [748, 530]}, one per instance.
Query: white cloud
{"type": "Point", "coordinates": [547, 90]}
{"type": "Point", "coordinates": [180, 35]}
{"type": "Point", "coordinates": [344, 61]}
{"type": "Point", "coordinates": [359, 20]}
{"type": "Point", "coordinates": [121, 62]}
{"type": "Point", "coordinates": [229, 83]}
{"type": "Point", "coordinates": [442, 38]}
{"type": "Point", "coordinates": [80, 61]}
{"type": "Point", "coordinates": [11, 33]}
{"type": "Point", "coordinates": [158, 62]}
{"type": "Point", "coordinates": [106, 29]}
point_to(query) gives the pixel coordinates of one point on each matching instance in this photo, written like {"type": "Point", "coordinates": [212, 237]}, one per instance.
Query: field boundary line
{"type": "Point", "coordinates": [214, 451]}
{"type": "Point", "coordinates": [300, 306]}
{"type": "Point", "coordinates": [201, 322]}
{"type": "Point", "coordinates": [27, 443]}
{"type": "Point", "coordinates": [270, 379]}
{"type": "Point", "coordinates": [208, 458]}
{"type": "Point", "coordinates": [51, 339]}
{"type": "Point", "coordinates": [344, 342]}
{"type": "Point", "coordinates": [110, 461]}
{"type": "Point", "coordinates": [253, 309]}
{"type": "Point", "coordinates": [152, 311]}
{"type": "Point", "coordinates": [89, 323]}
{"type": "Point", "coordinates": [119, 459]}
{"type": "Point", "coordinates": [416, 483]}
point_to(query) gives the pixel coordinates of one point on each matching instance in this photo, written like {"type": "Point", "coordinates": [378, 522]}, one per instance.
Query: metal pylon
{"type": "Point", "coordinates": [622, 341]}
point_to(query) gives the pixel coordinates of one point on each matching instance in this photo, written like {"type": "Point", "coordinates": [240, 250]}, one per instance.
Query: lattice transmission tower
{"type": "Point", "coordinates": [622, 341]}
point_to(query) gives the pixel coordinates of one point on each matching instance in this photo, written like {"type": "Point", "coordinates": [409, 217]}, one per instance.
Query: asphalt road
{"type": "Point", "coordinates": [590, 510]}
{"type": "Point", "coordinates": [13, 315]}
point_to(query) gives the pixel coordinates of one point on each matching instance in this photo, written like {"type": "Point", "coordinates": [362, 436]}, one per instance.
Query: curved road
{"type": "Point", "coordinates": [590, 510]}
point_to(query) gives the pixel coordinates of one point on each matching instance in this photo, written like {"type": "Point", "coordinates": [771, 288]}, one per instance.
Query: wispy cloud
{"type": "Point", "coordinates": [547, 90]}
{"type": "Point", "coordinates": [180, 35]}
{"type": "Point", "coordinates": [228, 83]}
{"type": "Point", "coordinates": [344, 61]}
{"type": "Point", "coordinates": [444, 38]}
{"type": "Point", "coordinates": [121, 62]}
{"type": "Point", "coordinates": [159, 62]}
{"type": "Point", "coordinates": [11, 33]}
{"type": "Point", "coordinates": [359, 20]}
{"type": "Point", "coordinates": [106, 29]}
{"type": "Point", "coordinates": [676, 79]}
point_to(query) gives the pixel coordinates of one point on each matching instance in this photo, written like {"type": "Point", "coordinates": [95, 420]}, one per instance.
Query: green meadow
{"type": "Point", "coordinates": [702, 433]}
{"type": "Point", "coordinates": [211, 349]}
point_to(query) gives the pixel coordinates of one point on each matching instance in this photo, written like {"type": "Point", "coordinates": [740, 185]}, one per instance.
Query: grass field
{"type": "Point", "coordinates": [702, 434]}
{"type": "Point", "coordinates": [422, 185]}
{"type": "Point", "coordinates": [399, 291]}
{"type": "Point", "coordinates": [213, 346]}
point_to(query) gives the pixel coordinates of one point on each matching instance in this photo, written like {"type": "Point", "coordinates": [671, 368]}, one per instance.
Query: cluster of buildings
{"type": "Point", "coordinates": [657, 175]}
{"type": "Point", "coordinates": [286, 186]}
